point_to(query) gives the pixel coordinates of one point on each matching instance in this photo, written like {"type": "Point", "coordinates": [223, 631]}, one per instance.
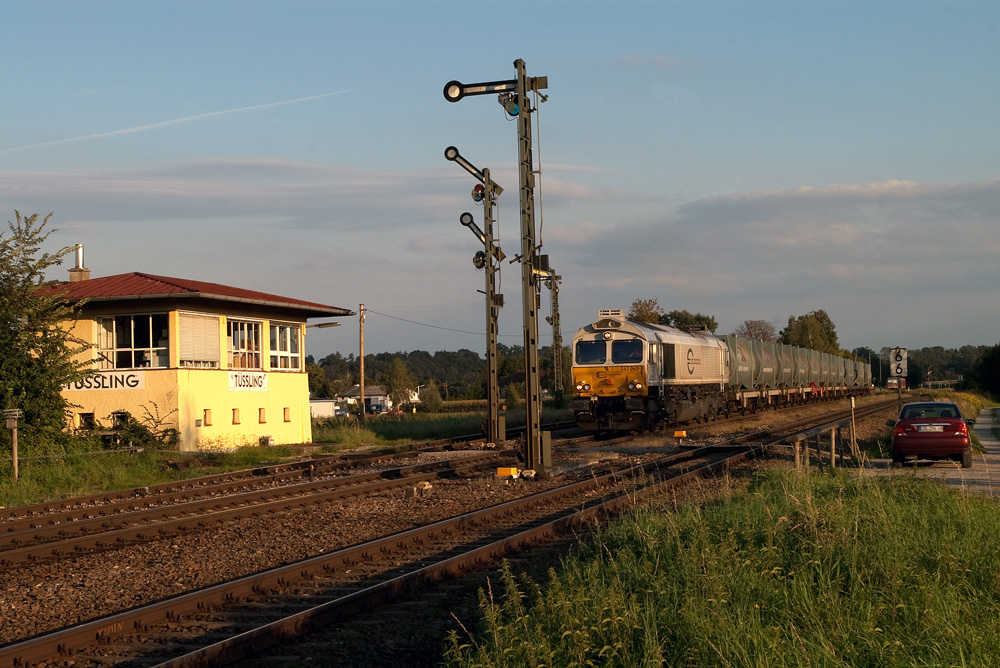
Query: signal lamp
{"type": "Point", "coordinates": [478, 193]}
{"type": "Point", "coordinates": [479, 259]}
{"type": "Point", "coordinates": [509, 102]}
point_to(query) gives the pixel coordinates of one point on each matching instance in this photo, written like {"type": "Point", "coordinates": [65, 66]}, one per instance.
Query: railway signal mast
{"type": "Point", "coordinates": [489, 258]}
{"type": "Point", "coordinates": [552, 283]}
{"type": "Point", "coordinates": [513, 94]}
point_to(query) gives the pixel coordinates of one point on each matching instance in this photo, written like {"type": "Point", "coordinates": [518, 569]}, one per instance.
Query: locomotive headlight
{"type": "Point", "coordinates": [638, 386]}
{"type": "Point", "coordinates": [586, 387]}
{"type": "Point", "coordinates": [631, 386]}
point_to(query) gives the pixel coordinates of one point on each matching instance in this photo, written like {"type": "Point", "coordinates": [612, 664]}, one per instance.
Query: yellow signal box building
{"type": "Point", "coordinates": [224, 366]}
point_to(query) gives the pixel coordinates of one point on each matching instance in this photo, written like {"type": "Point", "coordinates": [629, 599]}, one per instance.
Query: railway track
{"type": "Point", "coordinates": [68, 529]}
{"type": "Point", "coordinates": [71, 534]}
{"type": "Point", "coordinates": [235, 619]}
{"type": "Point", "coordinates": [128, 500]}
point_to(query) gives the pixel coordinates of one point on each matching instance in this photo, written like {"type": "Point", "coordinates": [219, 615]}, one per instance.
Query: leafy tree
{"type": "Point", "coordinates": [548, 379]}
{"type": "Point", "coordinates": [319, 384]}
{"type": "Point", "coordinates": [685, 319]}
{"type": "Point", "coordinates": [986, 372]}
{"type": "Point", "coordinates": [430, 397]}
{"type": "Point", "coordinates": [761, 330]}
{"type": "Point", "coordinates": [510, 359]}
{"type": "Point", "coordinates": [813, 330]}
{"type": "Point", "coordinates": [398, 382]}
{"type": "Point", "coordinates": [514, 395]}
{"type": "Point", "coordinates": [38, 349]}
{"type": "Point", "coordinates": [645, 310]}
{"type": "Point", "coordinates": [939, 363]}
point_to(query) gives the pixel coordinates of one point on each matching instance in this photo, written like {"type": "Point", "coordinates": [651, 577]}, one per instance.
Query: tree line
{"type": "Point", "coordinates": [447, 375]}
{"type": "Point", "coordinates": [450, 375]}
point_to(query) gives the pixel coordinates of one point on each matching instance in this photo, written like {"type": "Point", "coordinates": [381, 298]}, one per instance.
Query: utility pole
{"type": "Point", "coordinates": [488, 259]}
{"type": "Point", "coordinates": [361, 381]}
{"type": "Point", "coordinates": [513, 94]}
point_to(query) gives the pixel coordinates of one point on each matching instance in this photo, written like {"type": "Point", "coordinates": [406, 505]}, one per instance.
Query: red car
{"type": "Point", "coordinates": [931, 430]}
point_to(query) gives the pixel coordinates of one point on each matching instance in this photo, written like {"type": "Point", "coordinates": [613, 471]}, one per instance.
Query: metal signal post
{"type": "Point", "coordinates": [529, 259]}
{"type": "Point", "coordinates": [513, 94]}
{"type": "Point", "coordinates": [552, 283]}
{"type": "Point", "coordinates": [487, 259]}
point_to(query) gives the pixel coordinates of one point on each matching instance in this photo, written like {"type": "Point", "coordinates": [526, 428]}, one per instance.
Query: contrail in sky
{"type": "Point", "coordinates": [176, 121]}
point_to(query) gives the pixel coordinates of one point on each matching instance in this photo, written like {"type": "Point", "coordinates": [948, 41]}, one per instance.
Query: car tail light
{"type": "Point", "coordinates": [963, 429]}
{"type": "Point", "coordinates": [899, 430]}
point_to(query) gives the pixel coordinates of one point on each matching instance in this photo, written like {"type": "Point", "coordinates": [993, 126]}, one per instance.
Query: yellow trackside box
{"type": "Point", "coordinates": [505, 471]}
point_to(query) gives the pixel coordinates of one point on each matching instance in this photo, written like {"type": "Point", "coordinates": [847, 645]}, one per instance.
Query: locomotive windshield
{"type": "Point", "coordinates": [625, 352]}
{"type": "Point", "coordinates": [591, 352]}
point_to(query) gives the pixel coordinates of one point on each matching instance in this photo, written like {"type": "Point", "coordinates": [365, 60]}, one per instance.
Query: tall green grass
{"type": "Point", "coordinates": [799, 571]}
{"type": "Point", "coordinates": [81, 471]}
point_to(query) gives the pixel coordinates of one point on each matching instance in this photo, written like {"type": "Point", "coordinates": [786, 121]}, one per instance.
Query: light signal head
{"type": "Point", "coordinates": [479, 259]}
{"type": "Point", "coordinates": [478, 193]}
{"type": "Point", "coordinates": [510, 103]}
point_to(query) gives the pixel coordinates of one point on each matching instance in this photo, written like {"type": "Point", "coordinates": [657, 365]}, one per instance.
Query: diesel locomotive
{"type": "Point", "coordinates": [631, 376]}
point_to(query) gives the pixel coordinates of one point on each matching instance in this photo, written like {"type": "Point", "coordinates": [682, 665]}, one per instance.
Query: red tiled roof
{"type": "Point", "coordinates": [139, 285]}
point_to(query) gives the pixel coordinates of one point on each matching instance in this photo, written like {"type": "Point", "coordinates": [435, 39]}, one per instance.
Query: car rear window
{"type": "Point", "coordinates": [931, 411]}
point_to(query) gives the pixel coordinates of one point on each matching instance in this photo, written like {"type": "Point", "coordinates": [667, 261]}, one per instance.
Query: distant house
{"type": "Point", "coordinates": [323, 408]}
{"type": "Point", "coordinates": [376, 400]}
{"type": "Point", "coordinates": [224, 366]}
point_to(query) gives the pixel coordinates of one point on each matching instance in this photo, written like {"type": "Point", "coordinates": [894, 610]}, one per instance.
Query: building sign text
{"type": "Point", "coordinates": [247, 381]}
{"type": "Point", "coordinates": [110, 380]}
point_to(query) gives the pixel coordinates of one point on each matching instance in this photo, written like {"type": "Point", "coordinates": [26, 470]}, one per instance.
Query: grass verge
{"type": "Point", "coordinates": [83, 471]}
{"type": "Point", "coordinates": [797, 571]}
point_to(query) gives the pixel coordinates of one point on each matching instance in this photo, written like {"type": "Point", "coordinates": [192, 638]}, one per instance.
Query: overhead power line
{"type": "Point", "coordinates": [369, 311]}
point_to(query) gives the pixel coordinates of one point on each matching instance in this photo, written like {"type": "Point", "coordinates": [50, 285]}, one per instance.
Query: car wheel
{"type": "Point", "coordinates": [967, 459]}
{"type": "Point", "coordinates": [897, 460]}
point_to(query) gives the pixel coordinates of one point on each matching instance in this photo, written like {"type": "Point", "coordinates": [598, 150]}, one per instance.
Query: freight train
{"type": "Point", "coordinates": [630, 376]}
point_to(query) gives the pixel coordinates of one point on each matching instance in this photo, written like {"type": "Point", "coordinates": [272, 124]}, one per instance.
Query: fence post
{"type": "Point", "coordinates": [833, 448]}
{"type": "Point", "coordinates": [796, 447]}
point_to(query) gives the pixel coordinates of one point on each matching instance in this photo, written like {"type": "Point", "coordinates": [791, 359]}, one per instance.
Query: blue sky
{"type": "Point", "coordinates": [747, 160]}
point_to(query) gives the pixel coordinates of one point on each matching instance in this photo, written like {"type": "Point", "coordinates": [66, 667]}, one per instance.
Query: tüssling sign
{"type": "Point", "coordinates": [110, 380]}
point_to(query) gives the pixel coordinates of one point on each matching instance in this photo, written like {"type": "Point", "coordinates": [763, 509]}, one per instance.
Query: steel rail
{"type": "Point", "coordinates": [249, 643]}
{"type": "Point", "coordinates": [104, 630]}
{"type": "Point", "coordinates": [127, 500]}
{"type": "Point", "coordinates": [67, 641]}
{"type": "Point", "coordinates": [198, 515]}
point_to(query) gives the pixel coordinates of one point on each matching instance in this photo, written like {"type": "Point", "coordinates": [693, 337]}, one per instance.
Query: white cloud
{"type": "Point", "coordinates": [339, 236]}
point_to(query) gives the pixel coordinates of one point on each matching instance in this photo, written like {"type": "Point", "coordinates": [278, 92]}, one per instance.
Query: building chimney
{"type": "Point", "coordinates": [79, 272]}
